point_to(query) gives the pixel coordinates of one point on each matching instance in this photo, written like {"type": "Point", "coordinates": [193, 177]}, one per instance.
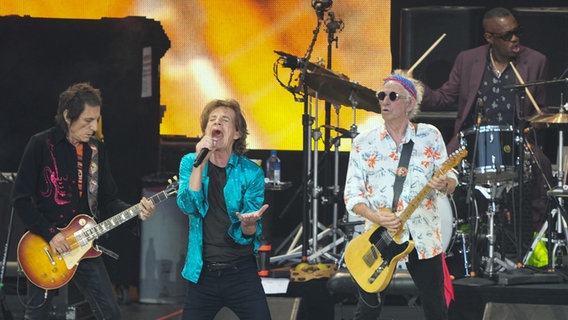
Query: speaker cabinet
{"type": "Point", "coordinates": [16, 229]}
{"type": "Point", "coordinates": [422, 26]}
{"type": "Point", "coordinates": [510, 311]}
{"type": "Point", "coordinates": [163, 248]}
{"type": "Point", "coordinates": [281, 308]}
{"type": "Point", "coordinates": [544, 29]}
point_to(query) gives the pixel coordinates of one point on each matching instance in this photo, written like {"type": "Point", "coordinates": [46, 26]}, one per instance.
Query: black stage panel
{"type": "Point", "coordinates": [422, 26]}
{"type": "Point", "coordinates": [472, 295]}
{"type": "Point", "coordinates": [41, 57]}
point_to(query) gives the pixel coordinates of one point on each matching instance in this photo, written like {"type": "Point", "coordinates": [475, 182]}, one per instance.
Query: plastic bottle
{"type": "Point", "coordinates": [273, 168]}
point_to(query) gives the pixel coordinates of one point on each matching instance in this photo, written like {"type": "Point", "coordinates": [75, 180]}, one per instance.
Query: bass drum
{"type": "Point", "coordinates": [460, 222]}
{"type": "Point", "coordinates": [447, 211]}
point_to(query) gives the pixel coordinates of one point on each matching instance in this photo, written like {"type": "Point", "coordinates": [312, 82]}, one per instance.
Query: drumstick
{"type": "Point", "coordinates": [526, 88]}
{"type": "Point", "coordinates": [426, 53]}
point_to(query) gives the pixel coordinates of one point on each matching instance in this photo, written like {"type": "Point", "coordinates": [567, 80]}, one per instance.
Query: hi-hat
{"type": "Point", "coordinates": [341, 91]}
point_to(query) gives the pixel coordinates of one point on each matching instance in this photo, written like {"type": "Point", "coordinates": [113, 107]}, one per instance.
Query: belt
{"type": "Point", "coordinates": [219, 266]}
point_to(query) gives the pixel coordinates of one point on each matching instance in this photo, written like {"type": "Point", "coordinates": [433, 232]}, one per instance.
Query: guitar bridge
{"type": "Point", "coordinates": [377, 272]}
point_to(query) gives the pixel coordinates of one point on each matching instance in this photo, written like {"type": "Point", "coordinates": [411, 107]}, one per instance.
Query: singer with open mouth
{"type": "Point", "coordinates": [222, 192]}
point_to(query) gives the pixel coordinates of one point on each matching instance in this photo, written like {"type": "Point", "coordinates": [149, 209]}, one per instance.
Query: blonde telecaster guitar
{"type": "Point", "coordinates": [49, 270]}
{"type": "Point", "coordinates": [372, 256]}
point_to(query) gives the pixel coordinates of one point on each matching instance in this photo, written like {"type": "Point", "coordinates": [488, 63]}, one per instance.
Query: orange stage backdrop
{"type": "Point", "coordinates": [225, 49]}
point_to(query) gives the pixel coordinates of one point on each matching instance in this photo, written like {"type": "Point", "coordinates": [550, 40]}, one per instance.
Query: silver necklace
{"type": "Point", "coordinates": [497, 72]}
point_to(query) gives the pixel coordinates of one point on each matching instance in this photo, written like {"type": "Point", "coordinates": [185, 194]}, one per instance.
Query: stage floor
{"type": "Point", "coordinates": [472, 295]}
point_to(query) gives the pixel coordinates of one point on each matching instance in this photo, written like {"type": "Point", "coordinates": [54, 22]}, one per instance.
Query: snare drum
{"type": "Point", "coordinates": [496, 156]}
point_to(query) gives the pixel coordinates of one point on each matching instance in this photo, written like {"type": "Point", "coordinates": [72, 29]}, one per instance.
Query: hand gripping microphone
{"type": "Point", "coordinates": [200, 157]}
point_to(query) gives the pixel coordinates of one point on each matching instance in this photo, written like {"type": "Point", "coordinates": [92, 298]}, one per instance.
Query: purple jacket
{"type": "Point", "coordinates": [465, 79]}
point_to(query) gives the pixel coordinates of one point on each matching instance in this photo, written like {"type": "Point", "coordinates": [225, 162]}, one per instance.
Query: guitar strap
{"type": "Point", "coordinates": [93, 181]}
{"type": "Point", "coordinates": [402, 170]}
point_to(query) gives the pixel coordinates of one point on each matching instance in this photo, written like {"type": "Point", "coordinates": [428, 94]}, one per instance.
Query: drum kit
{"type": "Point", "coordinates": [499, 159]}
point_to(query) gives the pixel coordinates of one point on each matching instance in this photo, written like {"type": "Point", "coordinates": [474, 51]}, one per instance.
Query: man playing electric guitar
{"type": "Point", "coordinates": [64, 172]}
{"type": "Point", "coordinates": [388, 166]}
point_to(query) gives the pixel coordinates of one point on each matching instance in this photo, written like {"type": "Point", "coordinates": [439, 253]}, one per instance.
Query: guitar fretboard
{"type": "Point", "coordinates": [99, 229]}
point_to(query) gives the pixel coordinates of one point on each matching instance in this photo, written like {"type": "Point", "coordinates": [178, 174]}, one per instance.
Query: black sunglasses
{"type": "Point", "coordinates": [507, 36]}
{"type": "Point", "coordinates": [393, 96]}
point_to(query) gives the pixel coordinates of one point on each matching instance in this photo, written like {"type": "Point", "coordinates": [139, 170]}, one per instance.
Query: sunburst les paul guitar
{"type": "Point", "coordinates": [49, 270]}
{"type": "Point", "coordinates": [371, 257]}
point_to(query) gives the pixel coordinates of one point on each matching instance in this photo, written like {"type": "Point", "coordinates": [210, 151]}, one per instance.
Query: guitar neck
{"type": "Point", "coordinates": [101, 228]}
{"type": "Point", "coordinates": [414, 203]}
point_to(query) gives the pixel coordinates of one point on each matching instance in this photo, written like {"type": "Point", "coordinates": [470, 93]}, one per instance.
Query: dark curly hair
{"type": "Point", "coordinates": [240, 145]}
{"type": "Point", "coordinates": [74, 99]}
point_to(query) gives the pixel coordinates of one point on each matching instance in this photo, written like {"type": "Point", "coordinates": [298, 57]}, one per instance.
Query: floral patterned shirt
{"type": "Point", "coordinates": [371, 174]}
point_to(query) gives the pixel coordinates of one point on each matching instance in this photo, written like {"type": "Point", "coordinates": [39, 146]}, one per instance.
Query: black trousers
{"type": "Point", "coordinates": [94, 283]}
{"type": "Point", "coordinates": [428, 276]}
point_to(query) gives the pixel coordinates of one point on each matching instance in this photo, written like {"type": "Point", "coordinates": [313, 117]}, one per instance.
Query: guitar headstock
{"type": "Point", "coordinates": [453, 160]}
{"type": "Point", "coordinates": [172, 187]}
{"type": "Point", "coordinates": [455, 157]}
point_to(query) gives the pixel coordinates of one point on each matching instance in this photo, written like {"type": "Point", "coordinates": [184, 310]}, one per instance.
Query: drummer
{"type": "Point", "coordinates": [476, 84]}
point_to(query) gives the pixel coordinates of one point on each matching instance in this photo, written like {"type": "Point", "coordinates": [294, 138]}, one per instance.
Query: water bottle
{"type": "Point", "coordinates": [273, 168]}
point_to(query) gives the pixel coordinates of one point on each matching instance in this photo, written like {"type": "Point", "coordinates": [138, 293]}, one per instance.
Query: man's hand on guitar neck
{"type": "Point", "coordinates": [383, 217]}
{"type": "Point", "coordinates": [146, 208]}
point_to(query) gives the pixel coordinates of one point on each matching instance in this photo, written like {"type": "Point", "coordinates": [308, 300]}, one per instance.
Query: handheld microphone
{"type": "Point", "coordinates": [200, 157]}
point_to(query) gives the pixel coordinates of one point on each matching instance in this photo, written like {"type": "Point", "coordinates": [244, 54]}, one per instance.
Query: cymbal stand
{"type": "Point", "coordinates": [336, 188]}
{"type": "Point", "coordinates": [556, 215]}
{"type": "Point", "coordinates": [316, 189]}
{"type": "Point", "coordinates": [316, 197]}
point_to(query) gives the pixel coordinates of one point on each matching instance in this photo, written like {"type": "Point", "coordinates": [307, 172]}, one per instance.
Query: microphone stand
{"type": "Point", "coordinates": [471, 186]}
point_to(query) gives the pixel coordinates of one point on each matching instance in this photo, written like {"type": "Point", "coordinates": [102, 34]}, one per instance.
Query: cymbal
{"type": "Point", "coordinates": [559, 118]}
{"type": "Point", "coordinates": [342, 91]}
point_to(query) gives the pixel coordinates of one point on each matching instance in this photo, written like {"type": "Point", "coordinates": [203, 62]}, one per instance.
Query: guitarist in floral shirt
{"type": "Point", "coordinates": [370, 189]}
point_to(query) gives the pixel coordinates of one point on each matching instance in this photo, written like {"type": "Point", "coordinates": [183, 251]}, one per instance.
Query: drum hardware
{"type": "Point", "coordinates": [556, 216]}
{"type": "Point", "coordinates": [320, 83]}
{"type": "Point", "coordinates": [535, 83]}
{"type": "Point", "coordinates": [490, 167]}
{"type": "Point", "coordinates": [492, 258]}
{"type": "Point", "coordinates": [342, 91]}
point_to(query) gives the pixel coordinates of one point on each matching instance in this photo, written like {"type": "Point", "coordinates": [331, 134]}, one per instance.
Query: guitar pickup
{"type": "Point", "coordinates": [49, 256]}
